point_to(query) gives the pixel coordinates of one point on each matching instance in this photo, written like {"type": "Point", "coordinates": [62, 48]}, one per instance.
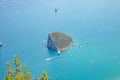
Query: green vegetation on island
{"type": "Point", "coordinates": [17, 73]}
{"type": "Point", "coordinates": [61, 40]}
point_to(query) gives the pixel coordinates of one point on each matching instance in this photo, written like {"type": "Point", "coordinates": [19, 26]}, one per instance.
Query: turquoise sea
{"type": "Point", "coordinates": [24, 28]}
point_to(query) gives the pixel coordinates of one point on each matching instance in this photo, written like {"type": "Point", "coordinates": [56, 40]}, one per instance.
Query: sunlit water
{"type": "Point", "coordinates": [93, 24]}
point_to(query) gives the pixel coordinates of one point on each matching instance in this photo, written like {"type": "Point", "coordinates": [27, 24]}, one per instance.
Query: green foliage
{"type": "Point", "coordinates": [61, 40]}
{"type": "Point", "coordinates": [44, 76]}
{"type": "Point", "coordinates": [16, 73]}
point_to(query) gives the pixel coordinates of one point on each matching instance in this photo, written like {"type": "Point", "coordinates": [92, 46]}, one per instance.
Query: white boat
{"type": "Point", "coordinates": [58, 52]}
{"type": "Point", "coordinates": [0, 43]}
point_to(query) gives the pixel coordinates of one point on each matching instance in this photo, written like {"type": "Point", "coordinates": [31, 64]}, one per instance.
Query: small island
{"type": "Point", "coordinates": [59, 41]}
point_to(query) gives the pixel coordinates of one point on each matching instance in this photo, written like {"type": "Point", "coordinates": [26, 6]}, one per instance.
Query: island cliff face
{"type": "Point", "coordinates": [59, 41]}
{"type": "Point", "coordinates": [50, 42]}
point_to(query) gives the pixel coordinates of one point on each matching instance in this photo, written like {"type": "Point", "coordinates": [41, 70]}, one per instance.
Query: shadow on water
{"type": "Point", "coordinates": [52, 52]}
{"type": "Point", "coordinates": [0, 49]}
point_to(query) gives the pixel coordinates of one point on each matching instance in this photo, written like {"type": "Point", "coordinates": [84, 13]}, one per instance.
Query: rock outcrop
{"type": "Point", "coordinates": [59, 41]}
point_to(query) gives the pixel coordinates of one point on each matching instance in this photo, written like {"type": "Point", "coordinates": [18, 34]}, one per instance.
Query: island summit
{"type": "Point", "coordinates": [59, 41]}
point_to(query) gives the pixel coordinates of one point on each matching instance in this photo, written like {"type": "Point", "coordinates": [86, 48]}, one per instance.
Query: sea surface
{"type": "Point", "coordinates": [94, 26]}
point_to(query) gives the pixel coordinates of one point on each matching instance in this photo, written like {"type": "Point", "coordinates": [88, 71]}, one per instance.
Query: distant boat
{"type": "Point", "coordinates": [56, 9]}
{"type": "Point", "coordinates": [0, 43]}
{"type": "Point", "coordinates": [87, 42]}
{"type": "Point", "coordinates": [58, 52]}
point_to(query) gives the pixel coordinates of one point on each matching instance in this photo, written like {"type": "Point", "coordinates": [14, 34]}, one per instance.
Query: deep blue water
{"type": "Point", "coordinates": [25, 24]}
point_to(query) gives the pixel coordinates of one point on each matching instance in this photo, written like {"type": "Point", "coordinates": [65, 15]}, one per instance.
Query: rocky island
{"type": "Point", "coordinates": [59, 41]}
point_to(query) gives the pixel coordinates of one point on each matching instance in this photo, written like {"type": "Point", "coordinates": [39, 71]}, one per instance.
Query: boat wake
{"type": "Point", "coordinates": [47, 59]}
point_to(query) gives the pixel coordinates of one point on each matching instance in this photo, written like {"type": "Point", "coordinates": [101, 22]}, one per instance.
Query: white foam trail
{"type": "Point", "coordinates": [44, 41]}
{"type": "Point", "coordinates": [47, 59]}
